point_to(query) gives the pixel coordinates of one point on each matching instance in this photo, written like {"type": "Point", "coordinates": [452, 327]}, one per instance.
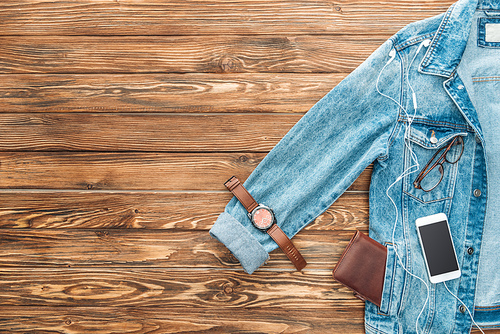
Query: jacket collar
{"type": "Point", "coordinates": [448, 45]}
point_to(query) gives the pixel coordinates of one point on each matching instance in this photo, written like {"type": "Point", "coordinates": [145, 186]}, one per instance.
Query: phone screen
{"type": "Point", "coordinates": [438, 248]}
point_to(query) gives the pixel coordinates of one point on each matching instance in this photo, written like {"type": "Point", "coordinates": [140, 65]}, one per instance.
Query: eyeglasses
{"type": "Point", "coordinates": [430, 182]}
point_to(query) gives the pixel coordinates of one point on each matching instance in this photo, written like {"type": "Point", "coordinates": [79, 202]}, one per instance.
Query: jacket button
{"type": "Point", "coordinates": [462, 309]}
{"type": "Point", "coordinates": [478, 140]}
{"type": "Point", "coordinates": [477, 193]}
{"type": "Point", "coordinates": [470, 251]}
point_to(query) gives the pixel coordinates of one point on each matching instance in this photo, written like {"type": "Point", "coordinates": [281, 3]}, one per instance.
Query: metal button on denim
{"type": "Point", "coordinates": [462, 309]}
{"type": "Point", "coordinates": [358, 123]}
{"type": "Point", "coordinates": [470, 251]}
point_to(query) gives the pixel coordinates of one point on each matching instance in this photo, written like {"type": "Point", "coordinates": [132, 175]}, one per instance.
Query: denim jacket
{"type": "Point", "coordinates": [434, 80]}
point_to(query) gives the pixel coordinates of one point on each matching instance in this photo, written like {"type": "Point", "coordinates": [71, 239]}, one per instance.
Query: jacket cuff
{"type": "Point", "coordinates": [240, 242]}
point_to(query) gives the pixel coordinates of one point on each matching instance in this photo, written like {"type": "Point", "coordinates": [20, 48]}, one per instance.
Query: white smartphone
{"type": "Point", "coordinates": [437, 245]}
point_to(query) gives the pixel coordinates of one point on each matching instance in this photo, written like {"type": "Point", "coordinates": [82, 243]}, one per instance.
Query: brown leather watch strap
{"type": "Point", "coordinates": [287, 246]}
{"type": "Point", "coordinates": [234, 185]}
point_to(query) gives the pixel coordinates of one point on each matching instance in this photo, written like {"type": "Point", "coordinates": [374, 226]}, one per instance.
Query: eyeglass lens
{"type": "Point", "coordinates": [432, 175]}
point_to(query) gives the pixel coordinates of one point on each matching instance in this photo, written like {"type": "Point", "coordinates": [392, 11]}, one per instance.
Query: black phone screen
{"type": "Point", "coordinates": [438, 248]}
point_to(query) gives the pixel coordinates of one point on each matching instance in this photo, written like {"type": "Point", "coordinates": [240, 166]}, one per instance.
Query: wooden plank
{"type": "Point", "coordinates": [154, 248]}
{"type": "Point", "coordinates": [179, 93]}
{"type": "Point", "coordinates": [175, 54]}
{"type": "Point", "coordinates": [212, 18]}
{"type": "Point", "coordinates": [148, 210]}
{"type": "Point", "coordinates": [123, 171]}
{"type": "Point", "coordinates": [178, 289]}
{"type": "Point", "coordinates": [143, 132]}
{"type": "Point", "coordinates": [131, 171]}
{"type": "Point", "coordinates": [143, 320]}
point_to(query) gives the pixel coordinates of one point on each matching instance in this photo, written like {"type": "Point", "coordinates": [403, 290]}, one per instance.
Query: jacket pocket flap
{"type": "Point", "coordinates": [432, 137]}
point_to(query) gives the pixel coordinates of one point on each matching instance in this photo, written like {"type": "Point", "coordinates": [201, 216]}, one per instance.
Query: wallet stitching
{"type": "Point", "coordinates": [339, 264]}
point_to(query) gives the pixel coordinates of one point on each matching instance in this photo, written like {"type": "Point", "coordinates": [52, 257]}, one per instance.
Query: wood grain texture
{"type": "Point", "coordinates": [142, 132]}
{"type": "Point", "coordinates": [154, 249]}
{"type": "Point", "coordinates": [118, 122]}
{"type": "Point", "coordinates": [178, 289]}
{"type": "Point", "coordinates": [131, 171]}
{"type": "Point", "coordinates": [142, 320]}
{"type": "Point", "coordinates": [186, 54]}
{"type": "Point", "coordinates": [182, 211]}
{"type": "Point", "coordinates": [173, 93]}
{"type": "Point", "coordinates": [192, 17]}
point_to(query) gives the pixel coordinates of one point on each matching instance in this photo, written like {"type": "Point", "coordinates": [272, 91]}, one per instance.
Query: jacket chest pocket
{"type": "Point", "coordinates": [438, 151]}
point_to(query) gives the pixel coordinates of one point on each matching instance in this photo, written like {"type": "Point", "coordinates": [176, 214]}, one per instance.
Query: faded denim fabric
{"type": "Point", "coordinates": [434, 80]}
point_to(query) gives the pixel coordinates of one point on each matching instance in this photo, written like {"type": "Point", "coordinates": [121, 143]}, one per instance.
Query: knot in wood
{"type": "Point", "coordinates": [102, 234]}
{"type": "Point", "coordinates": [228, 288]}
{"type": "Point", "coordinates": [229, 64]}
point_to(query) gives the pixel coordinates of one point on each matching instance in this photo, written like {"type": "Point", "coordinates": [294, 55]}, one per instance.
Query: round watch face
{"type": "Point", "coordinates": [263, 218]}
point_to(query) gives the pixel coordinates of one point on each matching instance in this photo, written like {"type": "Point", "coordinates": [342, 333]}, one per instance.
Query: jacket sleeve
{"type": "Point", "coordinates": [318, 159]}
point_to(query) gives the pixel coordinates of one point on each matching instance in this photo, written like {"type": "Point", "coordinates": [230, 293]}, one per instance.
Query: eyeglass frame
{"type": "Point", "coordinates": [440, 161]}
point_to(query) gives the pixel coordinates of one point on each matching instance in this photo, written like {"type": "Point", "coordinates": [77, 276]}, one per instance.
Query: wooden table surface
{"type": "Point", "coordinates": [117, 131]}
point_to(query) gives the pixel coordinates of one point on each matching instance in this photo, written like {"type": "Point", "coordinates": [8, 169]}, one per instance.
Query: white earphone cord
{"type": "Point", "coordinates": [461, 302]}
{"type": "Point", "coordinates": [411, 169]}
{"type": "Point", "coordinates": [408, 171]}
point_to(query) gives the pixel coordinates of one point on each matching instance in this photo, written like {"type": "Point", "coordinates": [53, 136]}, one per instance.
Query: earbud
{"type": "Point", "coordinates": [392, 54]}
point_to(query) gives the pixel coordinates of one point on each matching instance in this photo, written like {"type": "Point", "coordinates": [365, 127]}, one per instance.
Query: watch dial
{"type": "Point", "coordinates": [262, 218]}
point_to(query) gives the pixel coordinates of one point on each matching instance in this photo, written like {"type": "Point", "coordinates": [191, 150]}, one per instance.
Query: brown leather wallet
{"type": "Point", "coordinates": [361, 268]}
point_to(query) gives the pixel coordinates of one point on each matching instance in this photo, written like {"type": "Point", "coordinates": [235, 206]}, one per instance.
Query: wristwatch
{"type": "Point", "coordinates": [262, 217]}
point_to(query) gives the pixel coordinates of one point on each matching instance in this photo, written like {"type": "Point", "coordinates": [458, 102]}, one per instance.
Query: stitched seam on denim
{"type": "Point", "coordinates": [453, 97]}
{"type": "Point", "coordinates": [449, 191]}
{"type": "Point", "coordinates": [413, 41]}
{"type": "Point", "coordinates": [392, 139]}
{"type": "Point", "coordinates": [392, 136]}
{"type": "Point", "coordinates": [491, 46]}
{"type": "Point", "coordinates": [452, 184]}
{"type": "Point", "coordinates": [487, 308]}
{"type": "Point", "coordinates": [426, 121]}
{"type": "Point", "coordinates": [481, 27]}
{"type": "Point", "coordinates": [484, 79]}
{"type": "Point", "coordinates": [480, 32]}
{"type": "Point", "coordinates": [461, 265]}
{"type": "Point", "coordinates": [373, 330]}
{"type": "Point", "coordinates": [464, 109]}
{"type": "Point", "coordinates": [423, 144]}
{"type": "Point", "coordinates": [391, 290]}
{"type": "Point", "coordinates": [439, 33]}
{"type": "Point", "coordinates": [403, 299]}
{"type": "Point", "coordinates": [405, 291]}
{"type": "Point", "coordinates": [432, 312]}
{"type": "Point", "coordinates": [426, 202]}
